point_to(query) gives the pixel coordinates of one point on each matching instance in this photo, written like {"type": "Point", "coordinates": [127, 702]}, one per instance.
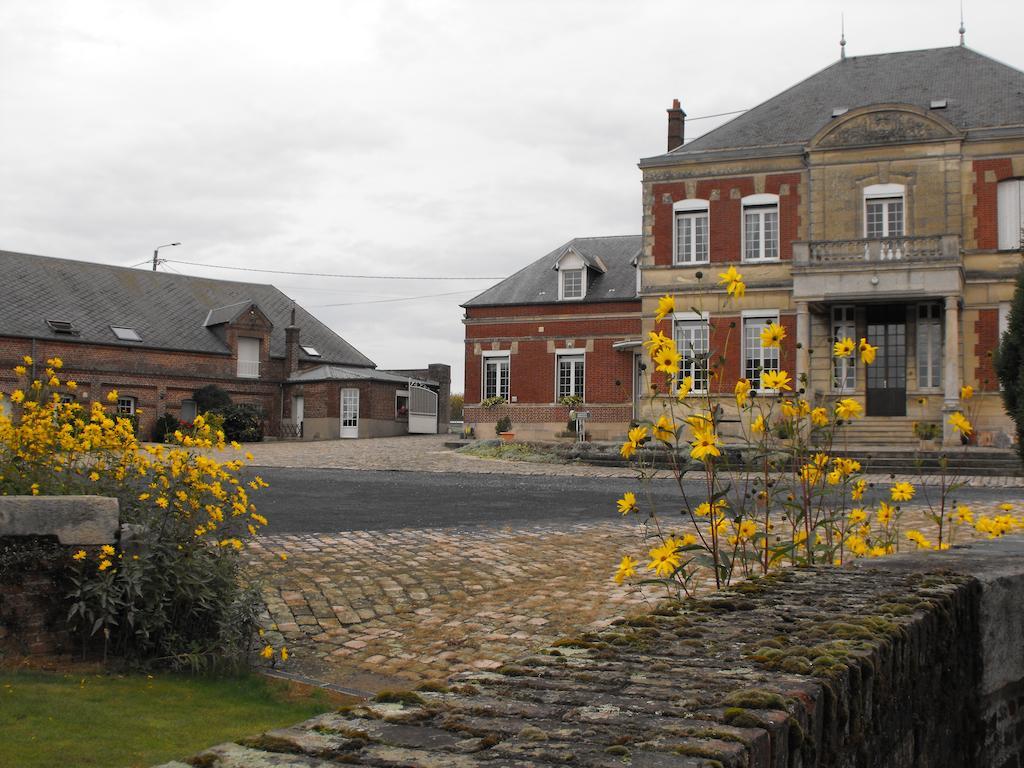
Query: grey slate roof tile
{"type": "Point", "coordinates": [980, 92]}
{"type": "Point", "coordinates": [168, 311]}
{"type": "Point", "coordinates": [537, 283]}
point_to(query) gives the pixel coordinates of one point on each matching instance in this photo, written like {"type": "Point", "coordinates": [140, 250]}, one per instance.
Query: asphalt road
{"type": "Point", "coordinates": [329, 500]}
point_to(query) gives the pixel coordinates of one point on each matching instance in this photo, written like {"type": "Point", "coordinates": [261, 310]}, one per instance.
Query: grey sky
{"type": "Point", "coordinates": [386, 137]}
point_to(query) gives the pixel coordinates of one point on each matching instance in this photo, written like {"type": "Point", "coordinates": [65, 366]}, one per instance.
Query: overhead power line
{"type": "Point", "coordinates": [386, 301]}
{"type": "Point", "coordinates": [326, 274]}
{"type": "Point", "coordinates": [720, 114]}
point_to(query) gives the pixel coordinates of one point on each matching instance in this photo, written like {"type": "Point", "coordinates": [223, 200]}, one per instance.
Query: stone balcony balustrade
{"type": "Point", "coordinates": [873, 252]}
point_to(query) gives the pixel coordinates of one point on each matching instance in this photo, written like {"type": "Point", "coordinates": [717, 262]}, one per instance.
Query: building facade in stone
{"type": "Point", "coordinates": [559, 335]}
{"type": "Point", "coordinates": [156, 338]}
{"type": "Point", "coordinates": [880, 198]}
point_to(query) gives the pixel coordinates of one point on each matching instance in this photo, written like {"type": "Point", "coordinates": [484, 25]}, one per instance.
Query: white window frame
{"type": "Point", "coordinates": [761, 317]}
{"type": "Point", "coordinates": [195, 410]}
{"type": "Point", "coordinates": [497, 358]}
{"type": "Point", "coordinates": [691, 211]}
{"type": "Point", "coordinates": [929, 329]}
{"type": "Point", "coordinates": [574, 356]}
{"type": "Point", "coordinates": [127, 401]}
{"type": "Point", "coordinates": [583, 283]}
{"type": "Point", "coordinates": [1010, 214]}
{"type": "Point", "coordinates": [247, 368]}
{"type": "Point", "coordinates": [844, 369]}
{"type": "Point", "coordinates": [876, 193]}
{"type": "Point", "coordinates": [692, 321]}
{"type": "Point", "coordinates": [760, 205]}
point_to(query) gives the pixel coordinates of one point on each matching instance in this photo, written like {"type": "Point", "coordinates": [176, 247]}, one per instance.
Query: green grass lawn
{"type": "Point", "coordinates": [51, 719]}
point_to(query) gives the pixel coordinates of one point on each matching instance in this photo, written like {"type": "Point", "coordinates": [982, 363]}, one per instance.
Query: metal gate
{"type": "Point", "coordinates": [422, 410]}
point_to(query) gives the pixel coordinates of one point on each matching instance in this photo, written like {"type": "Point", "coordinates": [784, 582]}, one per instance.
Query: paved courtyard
{"type": "Point", "coordinates": [370, 610]}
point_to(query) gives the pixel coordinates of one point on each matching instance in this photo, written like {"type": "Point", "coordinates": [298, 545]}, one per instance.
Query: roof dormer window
{"type": "Point", "coordinates": [572, 283]}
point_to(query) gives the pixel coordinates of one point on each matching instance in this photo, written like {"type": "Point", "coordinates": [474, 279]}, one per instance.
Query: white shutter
{"type": "Point", "coordinates": [1010, 205]}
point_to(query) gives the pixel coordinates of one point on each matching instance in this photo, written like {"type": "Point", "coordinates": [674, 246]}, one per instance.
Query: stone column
{"type": "Point", "coordinates": [803, 339]}
{"type": "Point", "coordinates": [951, 372]}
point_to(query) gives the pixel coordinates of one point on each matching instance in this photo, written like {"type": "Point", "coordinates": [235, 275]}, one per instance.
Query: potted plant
{"type": "Point", "coordinates": [927, 432]}
{"type": "Point", "coordinates": [504, 429]}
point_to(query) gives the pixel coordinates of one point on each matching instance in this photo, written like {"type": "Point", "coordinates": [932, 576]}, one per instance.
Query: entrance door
{"type": "Point", "coordinates": [298, 406]}
{"type": "Point", "coordinates": [887, 376]}
{"type": "Point", "coordinates": [350, 413]}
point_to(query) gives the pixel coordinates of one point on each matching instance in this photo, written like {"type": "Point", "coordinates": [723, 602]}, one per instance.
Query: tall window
{"type": "Point", "coordinates": [248, 357]}
{"type": "Point", "coordinates": [1010, 202]}
{"type": "Point", "coordinates": [844, 369]}
{"type": "Point", "coordinates": [760, 228]}
{"type": "Point", "coordinates": [571, 370]}
{"type": "Point", "coordinates": [496, 376]}
{"type": "Point", "coordinates": [929, 345]}
{"type": "Point", "coordinates": [691, 336]}
{"type": "Point", "coordinates": [691, 231]}
{"type": "Point", "coordinates": [883, 211]}
{"type": "Point", "coordinates": [572, 283]}
{"type": "Point", "coordinates": [757, 357]}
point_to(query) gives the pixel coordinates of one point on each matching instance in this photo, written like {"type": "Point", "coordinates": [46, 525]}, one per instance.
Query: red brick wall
{"type": "Point", "coordinates": [725, 214]}
{"type": "Point", "coordinates": [987, 329]}
{"type": "Point", "coordinates": [553, 310]}
{"type": "Point", "coordinates": [985, 193]}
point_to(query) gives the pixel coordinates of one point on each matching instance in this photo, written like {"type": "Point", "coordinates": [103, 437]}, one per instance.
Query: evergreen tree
{"type": "Point", "coordinates": [1010, 363]}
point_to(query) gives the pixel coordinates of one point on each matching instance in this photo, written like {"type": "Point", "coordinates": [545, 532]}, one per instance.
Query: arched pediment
{"type": "Point", "coordinates": [883, 124]}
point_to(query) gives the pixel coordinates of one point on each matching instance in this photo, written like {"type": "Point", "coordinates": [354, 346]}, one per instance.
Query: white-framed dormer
{"type": "Point", "coordinates": [884, 211]}
{"type": "Point", "coordinates": [691, 232]}
{"type": "Point", "coordinates": [573, 268]}
{"type": "Point", "coordinates": [760, 228]}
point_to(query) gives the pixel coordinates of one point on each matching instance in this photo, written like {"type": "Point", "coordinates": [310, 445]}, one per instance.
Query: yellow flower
{"type": "Point", "coordinates": [94, 476]}
{"type": "Point", "coordinates": [664, 560]}
{"type": "Point", "coordinates": [53, 382]}
{"type": "Point", "coordinates": [627, 503]}
{"type": "Point", "coordinates": [858, 515]}
{"type": "Point", "coordinates": [79, 555]}
{"type": "Point", "coordinates": [918, 538]}
{"type": "Point", "coordinates": [55, 362]}
{"type": "Point", "coordinates": [733, 282]}
{"type": "Point", "coordinates": [112, 396]}
{"type": "Point", "coordinates": [775, 380]}
{"type": "Point", "coordinates": [757, 425]}
{"type": "Point", "coordinates": [844, 347]}
{"type": "Point", "coordinates": [848, 408]}
{"type": "Point", "coordinates": [162, 502]}
{"type": "Point", "coordinates": [666, 306]}
{"type": "Point", "coordinates": [746, 531]}
{"type": "Point", "coordinates": [960, 423]}
{"type": "Point", "coordinates": [664, 429]}
{"type": "Point", "coordinates": [966, 392]}
{"type": "Point", "coordinates": [27, 360]}
{"type": "Point", "coordinates": [1006, 506]}
{"type": "Point", "coordinates": [885, 513]}
{"type": "Point", "coordinates": [108, 550]}
{"type": "Point", "coordinates": [867, 352]}
{"type": "Point", "coordinates": [284, 653]}
{"type": "Point", "coordinates": [772, 335]}
{"type": "Point", "coordinates": [685, 385]}
{"type": "Point", "coordinates": [267, 652]}
{"type": "Point", "coordinates": [282, 555]}
{"type": "Point", "coordinates": [819, 417]}
{"type": "Point", "coordinates": [667, 359]}
{"type": "Point", "coordinates": [742, 392]}
{"type": "Point", "coordinates": [704, 508]}
{"type": "Point", "coordinates": [17, 396]}
{"type": "Point", "coordinates": [964, 515]}
{"type": "Point", "coordinates": [104, 564]}
{"type": "Point", "coordinates": [627, 568]}
{"type": "Point", "coordinates": [704, 445]}
{"type": "Point", "coordinates": [20, 370]}
{"type": "Point", "coordinates": [857, 492]}
{"type": "Point", "coordinates": [902, 492]}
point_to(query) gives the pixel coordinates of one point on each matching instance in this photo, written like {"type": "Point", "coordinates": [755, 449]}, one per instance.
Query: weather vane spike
{"type": "Point", "coordinates": [962, 28]}
{"type": "Point", "coordinates": [842, 37]}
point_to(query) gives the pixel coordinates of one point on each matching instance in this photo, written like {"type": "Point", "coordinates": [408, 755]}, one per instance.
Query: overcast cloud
{"type": "Point", "coordinates": [385, 137]}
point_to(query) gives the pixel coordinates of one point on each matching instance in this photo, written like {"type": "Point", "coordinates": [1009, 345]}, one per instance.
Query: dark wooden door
{"type": "Point", "coordinates": [887, 376]}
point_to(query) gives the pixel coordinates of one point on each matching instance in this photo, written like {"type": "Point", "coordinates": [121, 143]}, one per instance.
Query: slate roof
{"type": "Point", "coordinates": [980, 93]}
{"type": "Point", "coordinates": [168, 311]}
{"type": "Point", "coordinates": [347, 373]}
{"type": "Point", "coordinates": [538, 282]}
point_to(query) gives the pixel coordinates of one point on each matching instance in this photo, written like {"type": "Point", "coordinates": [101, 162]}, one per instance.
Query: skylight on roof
{"type": "Point", "coordinates": [938, 104]}
{"type": "Point", "coordinates": [125, 334]}
{"type": "Point", "coordinates": [840, 111]}
{"type": "Point", "coordinates": [63, 326]}
{"type": "Point", "coordinates": [311, 351]}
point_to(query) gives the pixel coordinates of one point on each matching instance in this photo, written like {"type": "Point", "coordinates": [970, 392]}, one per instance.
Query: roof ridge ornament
{"type": "Point", "coordinates": [963, 29]}
{"type": "Point", "coordinates": [842, 37]}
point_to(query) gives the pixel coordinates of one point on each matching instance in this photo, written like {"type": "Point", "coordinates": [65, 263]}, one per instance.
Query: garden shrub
{"type": "Point", "coordinates": [242, 422]}
{"type": "Point", "coordinates": [172, 591]}
{"type": "Point", "coordinates": [165, 427]}
{"type": "Point", "coordinates": [504, 424]}
{"type": "Point", "coordinates": [211, 398]}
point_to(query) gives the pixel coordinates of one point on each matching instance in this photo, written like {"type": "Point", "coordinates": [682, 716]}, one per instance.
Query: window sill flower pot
{"type": "Point", "coordinates": [508, 437]}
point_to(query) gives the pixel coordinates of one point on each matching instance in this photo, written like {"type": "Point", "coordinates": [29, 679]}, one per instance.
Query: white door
{"type": "Point", "coordinates": [422, 410]}
{"type": "Point", "coordinates": [350, 413]}
{"type": "Point", "coordinates": [298, 405]}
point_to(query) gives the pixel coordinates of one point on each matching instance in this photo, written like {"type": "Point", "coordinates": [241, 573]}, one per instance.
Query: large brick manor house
{"type": "Point", "coordinates": [882, 197]}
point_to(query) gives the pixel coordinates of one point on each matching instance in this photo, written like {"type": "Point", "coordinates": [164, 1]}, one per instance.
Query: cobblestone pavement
{"type": "Point", "coordinates": [426, 453]}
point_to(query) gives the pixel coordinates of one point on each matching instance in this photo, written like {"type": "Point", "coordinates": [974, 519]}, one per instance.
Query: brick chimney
{"type": "Point", "coordinates": [291, 346]}
{"type": "Point", "coordinates": [676, 125]}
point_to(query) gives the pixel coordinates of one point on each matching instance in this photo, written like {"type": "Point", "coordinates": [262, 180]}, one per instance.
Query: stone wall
{"type": "Point", "coordinates": [908, 661]}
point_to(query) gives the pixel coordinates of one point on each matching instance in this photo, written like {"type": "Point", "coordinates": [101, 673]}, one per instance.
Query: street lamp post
{"type": "Point", "coordinates": [157, 250]}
